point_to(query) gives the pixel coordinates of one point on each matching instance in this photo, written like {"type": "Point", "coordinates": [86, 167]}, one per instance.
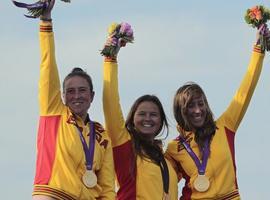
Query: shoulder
{"type": "Point", "coordinates": [99, 128]}
{"type": "Point", "coordinates": [173, 145]}
{"type": "Point", "coordinates": [174, 141]}
{"type": "Point", "coordinates": [101, 135]}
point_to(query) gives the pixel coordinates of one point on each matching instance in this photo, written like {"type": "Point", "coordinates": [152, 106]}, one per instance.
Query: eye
{"type": "Point", "coordinates": [201, 103]}
{"type": "Point", "coordinates": [154, 114]}
{"type": "Point", "coordinates": [190, 105]}
{"type": "Point", "coordinates": [70, 91]}
{"type": "Point", "coordinates": [141, 113]}
{"type": "Point", "coordinates": [82, 90]}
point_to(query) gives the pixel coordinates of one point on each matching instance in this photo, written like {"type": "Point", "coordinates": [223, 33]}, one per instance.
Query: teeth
{"type": "Point", "coordinates": [147, 125]}
{"type": "Point", "coordinates": [197, 117]}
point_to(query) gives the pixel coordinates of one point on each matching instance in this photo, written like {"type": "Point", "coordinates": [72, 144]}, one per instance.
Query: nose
{"type": "Point", "coordinates": [197, 109]}
{"type": "Point", "coordinates": [77, 94]}
{"type": "Point", "coordinates": [147, 117]}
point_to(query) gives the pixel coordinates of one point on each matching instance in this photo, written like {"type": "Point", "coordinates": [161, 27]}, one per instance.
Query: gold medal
{"type": "Point", "coordinates": [201, 183]}
{"type": "Point", "coordinates": [89, 179]}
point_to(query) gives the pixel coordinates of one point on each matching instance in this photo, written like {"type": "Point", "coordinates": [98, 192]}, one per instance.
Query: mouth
{"type": "Point", "coordinates": [197, 118]}
{"type": "Point", "coordinates": [147, 125]}
{"type": "Point", "coordinates": [77, 103]}
{"type": "Point", "coordinates": [198, 121]}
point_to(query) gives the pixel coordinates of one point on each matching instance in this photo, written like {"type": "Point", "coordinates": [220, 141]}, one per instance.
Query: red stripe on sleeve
{"type": "Point", "coordinates": [46, 145]}
{"type": "Point", "coordinates": [125, 167]}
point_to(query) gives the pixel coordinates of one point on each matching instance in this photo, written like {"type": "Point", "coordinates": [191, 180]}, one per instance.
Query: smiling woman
{"type": "Point", "coordinates": [74, 157]}
{"type": "Point", "coordinates": [204, 150]}
{"type": "Point", "coordinates": [78, 92]}
{"type": "Point", "coordinates": [147, 118]}
{"type": "Point", "coordinates": [142, 171]}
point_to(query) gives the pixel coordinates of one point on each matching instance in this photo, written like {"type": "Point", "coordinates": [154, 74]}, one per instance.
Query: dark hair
{"type": "Point", "coordinates": [182, 98]}
{"type": "Point", "coordinates": [76, 71]}
{"type": "Point", "coordinates": [142, 146]}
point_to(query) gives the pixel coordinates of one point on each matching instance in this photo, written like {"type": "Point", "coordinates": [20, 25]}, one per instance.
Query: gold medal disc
{"type": "Point", "coordinates": [89, 179]}
{"type": "Point", "coordinates": [201, 183]}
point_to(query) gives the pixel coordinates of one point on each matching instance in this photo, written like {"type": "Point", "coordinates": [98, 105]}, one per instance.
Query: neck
{"type": "Point", "coordinates": [84, 118]}
{"type": "Point", "coordinates": [148, 137]}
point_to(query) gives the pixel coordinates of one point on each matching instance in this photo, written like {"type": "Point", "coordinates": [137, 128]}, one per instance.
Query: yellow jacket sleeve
{"type": "Point", "coordinates": [239, 104]}
{"type": "Point", "coordinates": [114, 120]}
{"type": "Point", "coordinates": [50, 102]}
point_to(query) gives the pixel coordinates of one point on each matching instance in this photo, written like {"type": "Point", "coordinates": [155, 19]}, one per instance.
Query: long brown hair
{"type": "Point", "coordinates": [182, 99]}
{"type": "Point", "coordinates": [141, 144]}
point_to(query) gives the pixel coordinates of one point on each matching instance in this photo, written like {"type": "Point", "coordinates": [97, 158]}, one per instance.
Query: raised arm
{"type": "Point", "coordinates": [49, 84]}
{"type": "Point", "coordinates": [238, 106]}
{"type": "Point", "coordinates": [114, 120]}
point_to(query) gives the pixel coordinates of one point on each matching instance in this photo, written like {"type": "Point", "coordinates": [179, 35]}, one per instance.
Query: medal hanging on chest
{"type": "Point", "coordinates": [89, 178]}
{"type": "Point", "coordinates": [201, 183]}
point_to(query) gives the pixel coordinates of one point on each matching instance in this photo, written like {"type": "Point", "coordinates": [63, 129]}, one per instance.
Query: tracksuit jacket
{"type": "Point", "coordinates": [61, 161]}
{"type": "Point", "coordinates": [220, 169]}
{"type": "Point", "coordinates": [138, 179]}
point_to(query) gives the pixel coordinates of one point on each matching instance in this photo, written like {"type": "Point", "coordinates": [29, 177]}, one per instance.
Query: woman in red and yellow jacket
{"type": "Point", "coordinates": [142, 171]}
{"type": "Point", "coordinates": [204, 150]}
{"type": "Point", "coordinates": [74, 154]}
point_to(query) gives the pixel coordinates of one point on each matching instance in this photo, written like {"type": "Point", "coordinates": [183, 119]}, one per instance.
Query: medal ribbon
{"type": "Point", "coordinates": [201, 166]}
{"type": "Point", "coordinates": [88, 152]}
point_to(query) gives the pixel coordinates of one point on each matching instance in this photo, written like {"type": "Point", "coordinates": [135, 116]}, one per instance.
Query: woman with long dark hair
{"type": "Point", "coordinates": [142, 171]}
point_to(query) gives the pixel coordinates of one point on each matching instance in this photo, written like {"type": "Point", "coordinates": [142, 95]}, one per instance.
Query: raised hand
{"type": "Point", "coordinates": [257, 17]}
{"type": "Point", "coordinates": [263, 37]}
{"type": "Point", "coordinates": [36, 9]}
{"type": "Point", "coordinates": [119, 35]}
{"type": "Point", "coordinates": [46, 14]}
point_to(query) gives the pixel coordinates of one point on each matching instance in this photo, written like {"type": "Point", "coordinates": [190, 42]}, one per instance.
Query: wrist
{"type": "Point", "coordinates": [258, 48]}
{"type": "Point", "coordinates": [46, 19]}
{"type": "Point", "coordinates": [110, 59]}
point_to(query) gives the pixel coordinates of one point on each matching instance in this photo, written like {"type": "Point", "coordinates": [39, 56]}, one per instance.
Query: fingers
{"type": "Point", "coordinates": [263, 30]}
{"type": "Point", "coordinates": [47, 12]}
{"type": "Point", "coordinates": [51, 5]}
{"type": "Point", "coordinates": [262, 27]}
{"type": "Point", "coordinates": [122, 43]}
{"type": "Point", "coordinates": [111, 41]}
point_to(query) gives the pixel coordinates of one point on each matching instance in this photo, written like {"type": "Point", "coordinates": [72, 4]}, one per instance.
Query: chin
{"type": "Point", "coordinates": [198, 126]}
{"type": "Point", "coordinates": [146, 132]}
{"type": "Point", "coordinates": [148, 135]}
{"type": "Point", "coordinates": [77, 113]}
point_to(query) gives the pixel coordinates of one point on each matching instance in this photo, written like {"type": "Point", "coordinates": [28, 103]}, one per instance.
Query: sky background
{"type": "Point", "coordinates": [175, 41]}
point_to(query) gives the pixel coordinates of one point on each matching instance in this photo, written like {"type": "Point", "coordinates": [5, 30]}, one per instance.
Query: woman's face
{"type": "Point", "coordinates": [147, 118]}
{"type": "Point", "coordinates": [77, 95]}
{"type": "Point", "coordinates": [196, 111]}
